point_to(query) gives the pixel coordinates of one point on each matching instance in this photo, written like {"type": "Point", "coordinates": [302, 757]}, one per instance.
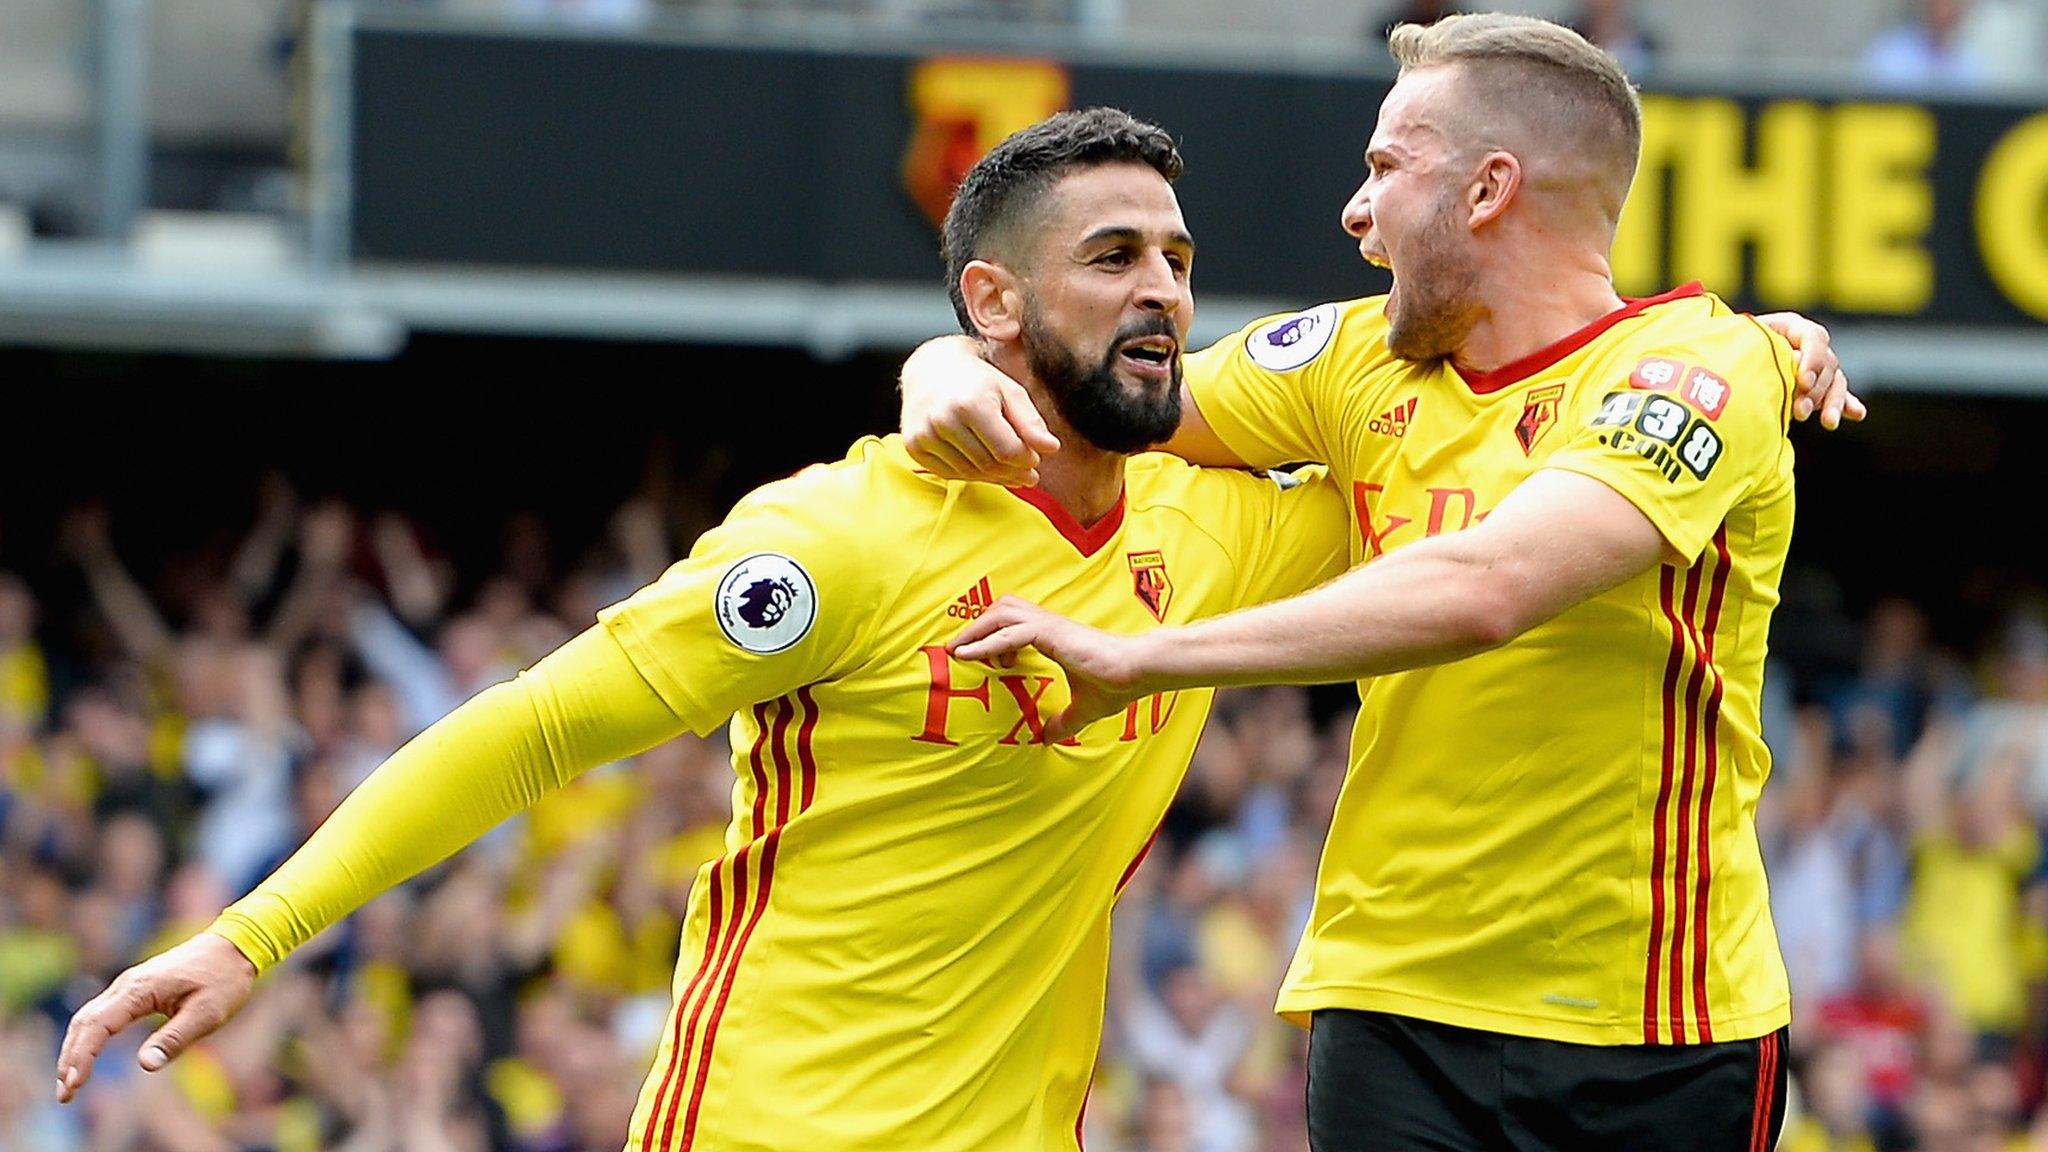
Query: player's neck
{"type": "Point", "coordinates": [1532, 303]}
{"type": "Point", "coordinates": [1086, 480]}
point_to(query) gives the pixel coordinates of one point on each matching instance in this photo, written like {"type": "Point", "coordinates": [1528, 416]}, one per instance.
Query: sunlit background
{"type": "Point", "coordinates": [351, 356]}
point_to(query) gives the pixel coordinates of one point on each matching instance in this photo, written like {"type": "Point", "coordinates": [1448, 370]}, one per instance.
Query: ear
{"type": "Point", "coordinates": [1493, 187]}
{"type": "Point", "coordinates": [995, 301]}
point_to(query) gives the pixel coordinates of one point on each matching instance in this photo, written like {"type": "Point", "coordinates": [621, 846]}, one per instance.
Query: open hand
{"type": "Point", "coordinates": [198, 984]}
{"type": "Point", "coordinates": [1823, 386]}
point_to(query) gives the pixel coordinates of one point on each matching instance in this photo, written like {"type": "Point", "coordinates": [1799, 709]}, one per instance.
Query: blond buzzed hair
{"type": "Point", "coordinates": [1561, 88]}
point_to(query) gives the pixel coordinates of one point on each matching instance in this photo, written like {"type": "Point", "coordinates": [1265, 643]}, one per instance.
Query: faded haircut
{"type": "Point", "coordinates": [1567, 89]}
{"type": "Point", "coordinates": [1002, 192]}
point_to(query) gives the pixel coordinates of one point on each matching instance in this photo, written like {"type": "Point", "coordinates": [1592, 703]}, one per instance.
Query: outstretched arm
{"type": "Point", "coordinates": [128, 609]}
{"type": "Point", "coordinates": [582, 706]}
{"type": "Point", "coordinates": [964, 420]}
{"type": "Point", "coordinates": [1560, 538]}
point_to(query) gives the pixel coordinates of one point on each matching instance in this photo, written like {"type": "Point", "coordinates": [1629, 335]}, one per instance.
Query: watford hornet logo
{"type": "Point", "coordinates": [1151, 583]}
{"type": "Point", "coordinates": [961, 108]}
{"type": "Point", "coordinates": [1538, 416]}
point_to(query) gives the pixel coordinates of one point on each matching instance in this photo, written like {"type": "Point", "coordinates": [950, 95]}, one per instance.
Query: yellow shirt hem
{"type": "Point", "coordinates": [1296, 1005]}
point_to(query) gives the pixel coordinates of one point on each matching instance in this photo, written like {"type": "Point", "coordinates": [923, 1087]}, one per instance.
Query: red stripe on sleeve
{"type": "Point", "coordinates": [760, 774]}
{"type": "Point", "coordinates": [803, 744]}
{"type": "Point", "coordinates": [1682, 856]}
{"type": "Point", "coordinates": [725, 990]}
{"type": "Point", "coordinates": [726, 972]}
{"type": "Point", "coordinates": [1706, 812]}
{"type": "Point", "coordinates": [725, 952]}
{"type": "Point", "coordinates": [785, 710]}
{"type": "Point", "coordinates": [1666, 582]}
{"type": "Point", "coordinates": [675, 1044]}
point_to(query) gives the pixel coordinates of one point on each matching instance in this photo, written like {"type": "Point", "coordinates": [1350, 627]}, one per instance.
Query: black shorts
{"type": "Point", "coordinates": [1383, 1083]}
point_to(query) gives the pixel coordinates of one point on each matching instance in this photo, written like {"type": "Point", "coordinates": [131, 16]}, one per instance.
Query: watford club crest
{"type": "Point", "coordinates": [963, 108]}
{"type": "Point", "coordinates": [1537, 418]}
{"type": "Point", "coordinates": [1150, 581]}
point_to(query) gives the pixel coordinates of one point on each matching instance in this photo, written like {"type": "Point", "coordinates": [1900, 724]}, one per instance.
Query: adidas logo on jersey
{"type": "Point", "coordinates": [1394, 421]}
{"type": "Point", "coordinates": [973, 602]}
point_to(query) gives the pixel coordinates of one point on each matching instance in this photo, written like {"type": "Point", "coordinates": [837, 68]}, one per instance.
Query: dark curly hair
{"type": "Point", "coordinates": [1003, 189]}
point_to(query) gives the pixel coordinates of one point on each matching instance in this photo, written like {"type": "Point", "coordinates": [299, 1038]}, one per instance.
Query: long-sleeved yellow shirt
{"type": "Point", "coordinates": [582, 706]}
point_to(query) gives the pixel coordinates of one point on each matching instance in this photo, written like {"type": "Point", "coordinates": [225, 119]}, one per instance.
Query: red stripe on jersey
{"type": "Point", "coordinates": [725, 991]}
{"type": "Point", "coordinates": [1712, 727]}
{"type": "Point", "coordinates": [1666, 581]}
{"type": "Point", "coordinates": [785, 711]}
{"type": "Point", "coordinates": [675, 1044]}
{"type": "Point", "coordinates": [760, 773]}
{"type": "Point", "coordinates": [1131, 869]}
{"type": "Point", "coordinates": [725, 952]}
{"type": "Point", "coordinates": [803, 743]}
{"type": "Point", "coordinates": [1682, 856]}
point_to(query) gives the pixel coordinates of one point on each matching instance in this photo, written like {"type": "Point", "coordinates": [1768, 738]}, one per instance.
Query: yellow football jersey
{"type": "Point", "coordinates": [1556, 838]}
{"type": "Point", "coordinates": [904, 944]}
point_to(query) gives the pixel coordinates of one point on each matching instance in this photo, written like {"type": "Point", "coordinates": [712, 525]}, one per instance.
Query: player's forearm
{"type": "Point", "coordinates": [931, 366]}
{"type": "Point", "coordinates": [508, 746]}
{"type": "Point", "coordinates": [934, 373]}
{"type": "Point", "coordinates": [1420, 607]}
{"type": "Point", "coordinates": [1556, 541]}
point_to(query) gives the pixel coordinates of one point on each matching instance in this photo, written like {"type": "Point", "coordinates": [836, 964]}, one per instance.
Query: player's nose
{"type": "Point", "coordinates": [1357, 214]}
{"type": "Point", "coordinates": [1156, 288]}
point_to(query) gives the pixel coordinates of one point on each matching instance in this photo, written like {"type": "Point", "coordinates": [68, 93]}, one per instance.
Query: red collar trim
{"type": "Point", "coordinates": [1086, 540]}
{"type": "Point", "coordinates": [1514, 372]}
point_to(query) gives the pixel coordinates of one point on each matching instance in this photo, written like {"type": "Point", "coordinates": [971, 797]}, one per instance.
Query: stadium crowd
{"type": "Point", "coordinates": [169, 737]}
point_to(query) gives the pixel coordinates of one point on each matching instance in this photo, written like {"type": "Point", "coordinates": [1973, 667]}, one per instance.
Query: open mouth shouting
{"type": "Point", "coordinates": [1151, 357]}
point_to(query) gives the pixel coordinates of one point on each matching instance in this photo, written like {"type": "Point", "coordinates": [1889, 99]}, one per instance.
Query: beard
{"type": "Point", "coordinates": [1431, 312]}
{"type": "Point", "coordinates": [1095, 403]}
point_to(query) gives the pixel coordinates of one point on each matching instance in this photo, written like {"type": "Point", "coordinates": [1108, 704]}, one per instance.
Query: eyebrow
{"type": "Point", "coordinates": [1124, 234]}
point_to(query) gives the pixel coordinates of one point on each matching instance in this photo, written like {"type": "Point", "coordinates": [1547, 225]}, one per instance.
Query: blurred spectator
{"type": "Point", "coordinates": [1874, 1027]}
{"type": "Point", "coordinates": [1812, 828]}
{"type": "Point", "coordinates": [29, 1118]}
{"type": "Point", "coordinates": [24, 676]}
{"type": "Point", "coordinates": [1973, 850]}
{"type": "Point", "coordinates": [241, 762]}
{"type": "Point", "coordinates": [2015, 712]}
{"type": "Point", "coordinates": [1927, 53]}
{"type": "Point", "coordinates": [1836, 1116]}
{"type": "Point", "coordinates": [1175, 1024]}
{"type": "Point", "coordinates": [37, 950]}
{"type": "Point", "coordinates": [1900, 676]}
